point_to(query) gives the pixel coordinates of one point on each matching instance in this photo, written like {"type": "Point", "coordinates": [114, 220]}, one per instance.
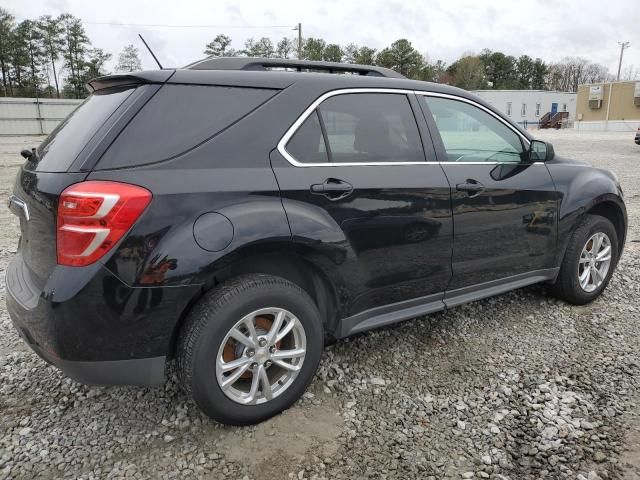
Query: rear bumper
{"type": "Point", "coordinates": [138, 371]}
{"type": "Point", "coordinates": [93, 327]}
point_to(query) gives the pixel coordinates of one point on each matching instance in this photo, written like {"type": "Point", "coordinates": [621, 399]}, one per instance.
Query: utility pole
{"type": "Point", "coordinates": [299, 29]}
{"type": "Point", "coordinates": [623, 46]}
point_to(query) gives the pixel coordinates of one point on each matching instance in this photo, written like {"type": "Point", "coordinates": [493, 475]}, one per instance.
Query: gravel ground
{"type": "Point", "coordinates": [520, 386]}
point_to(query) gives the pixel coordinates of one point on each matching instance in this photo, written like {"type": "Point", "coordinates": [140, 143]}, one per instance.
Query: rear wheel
{"type": "Point", "coordinates": [250, 348]}
{"type": "Point", "coordinates": [589, 261]}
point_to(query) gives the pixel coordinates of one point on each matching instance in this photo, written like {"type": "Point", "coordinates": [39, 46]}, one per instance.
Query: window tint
{"type": "Point", "coordinates": [58, 151]}
{"type": "Point", "coordinates": [371, 127]}
{"type": "Point", "coordinates": [307, 144]}
{"type": "Point", "coordinates": [178, 118]}
{"type": "Point", "coordinates": [470, 134]}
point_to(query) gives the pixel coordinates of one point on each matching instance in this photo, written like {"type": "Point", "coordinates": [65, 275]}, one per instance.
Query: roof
{"type": "Point", "coordinates": [262, 64]}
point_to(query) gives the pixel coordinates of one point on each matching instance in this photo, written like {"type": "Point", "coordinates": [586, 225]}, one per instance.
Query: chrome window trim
{"type": "Point", "coordinates": [281, 147]}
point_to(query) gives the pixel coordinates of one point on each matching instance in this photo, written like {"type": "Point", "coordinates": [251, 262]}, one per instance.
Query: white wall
{"type": "Point", "coordinates": [29, 116]}
{"type": "Point", "coordinates": [500, 98]}
{"type": "Point", "coordinates": [610, 126]}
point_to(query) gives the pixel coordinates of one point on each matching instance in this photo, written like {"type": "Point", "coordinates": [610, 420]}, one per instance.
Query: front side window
{"type": "Point", "coordinates": [470, 134]}
{"type": "Point", "coordinates": [359, 128]}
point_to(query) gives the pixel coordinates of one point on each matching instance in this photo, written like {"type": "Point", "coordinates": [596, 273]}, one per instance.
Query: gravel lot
{"type": "Point", "coordinates": [520, 386]}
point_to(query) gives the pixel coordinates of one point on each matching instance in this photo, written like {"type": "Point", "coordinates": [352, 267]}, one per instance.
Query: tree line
{"type": "Point", "coordinates": [54, 57]}
{"type": "Point", "coordinates": [489, 69]}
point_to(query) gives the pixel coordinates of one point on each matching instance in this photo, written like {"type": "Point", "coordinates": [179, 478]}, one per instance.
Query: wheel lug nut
{"type": "Point", "coordinates": [254, 365]}
{"type": "Point", "coordinates": [272, 349]}
{"type": "Point", "coordinates": [262, 342]}
{"type": "Point", "coordinates": [250, 352]}
{"type": "Point", "coordinates": [267, 364]}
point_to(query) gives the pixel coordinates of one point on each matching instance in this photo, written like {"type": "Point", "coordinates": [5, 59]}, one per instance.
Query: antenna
{"type": "Point", "coordinates": [150, 51]}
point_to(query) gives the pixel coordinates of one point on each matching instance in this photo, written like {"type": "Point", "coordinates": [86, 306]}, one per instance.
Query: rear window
{"type": "Point", "coordinates": [177, 119]}
{"type": "Point", "coordinates": [58, 151]}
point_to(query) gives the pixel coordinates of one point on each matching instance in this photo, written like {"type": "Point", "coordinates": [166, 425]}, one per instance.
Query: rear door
{"type": "Point", "coordinates": [504, 206]}
{"type": "Point", "coordinates": [362, 199]}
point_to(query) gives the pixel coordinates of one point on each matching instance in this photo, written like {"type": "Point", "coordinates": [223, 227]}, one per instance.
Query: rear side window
{"type": "Point", "coordinates": [370, 128]}
{"type": "Point", "coordinates": [359, 128]}
{"type": "Point", "coordinates": [178, 118]}
{"type": "Point", "coordinates": [58, 151]}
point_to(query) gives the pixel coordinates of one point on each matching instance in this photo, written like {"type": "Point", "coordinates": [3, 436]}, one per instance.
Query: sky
{"type": "Point", "coordinates": [440, 29]}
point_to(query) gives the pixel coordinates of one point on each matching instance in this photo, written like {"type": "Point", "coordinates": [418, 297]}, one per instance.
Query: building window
{"type": "Point", "coordinates": [537, 109]}
{"type": "Point", "coordinates": [523, 110]}
{"type": "Point", "coordinates": [564, 107]}
{"type": "Point", "coordinates": [509, 108]}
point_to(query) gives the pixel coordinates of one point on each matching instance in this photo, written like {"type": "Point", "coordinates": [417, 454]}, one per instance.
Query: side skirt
{"type": "Point", "coordinates": [408, 309]}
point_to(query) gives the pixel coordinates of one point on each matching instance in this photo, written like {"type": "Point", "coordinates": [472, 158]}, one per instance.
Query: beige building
{"type": "Point", "coordinates": [608, 106]}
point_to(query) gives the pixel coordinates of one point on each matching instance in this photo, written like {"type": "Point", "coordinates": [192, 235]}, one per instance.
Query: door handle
{"type": "Point", "coordinates": [332, 188]}
{"type": "Point", "coordinates": [472, 187]}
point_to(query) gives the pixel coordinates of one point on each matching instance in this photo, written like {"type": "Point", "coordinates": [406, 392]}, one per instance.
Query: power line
{"type": "Point", "coordinates": [185, 26]}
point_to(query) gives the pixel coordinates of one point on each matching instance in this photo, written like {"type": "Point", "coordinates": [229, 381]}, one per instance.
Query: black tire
{"type": "Point", "coordinates": [209, 322]}
{"type": "Point", "coordinates": [567, 286]}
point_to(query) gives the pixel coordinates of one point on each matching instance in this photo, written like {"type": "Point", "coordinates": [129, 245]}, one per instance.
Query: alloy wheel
{"type": "Point", "coordinates": [261, 356]}
{"type": "Point", "coordinates": [594, 262]}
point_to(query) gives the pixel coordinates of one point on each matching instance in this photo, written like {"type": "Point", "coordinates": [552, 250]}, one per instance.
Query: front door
{"type": "Point", "coordinates": [363, 203]}
{"type": "Point", "coordinates": [504, 206]}
{"type": "Point", "coordinates": [554, 109]}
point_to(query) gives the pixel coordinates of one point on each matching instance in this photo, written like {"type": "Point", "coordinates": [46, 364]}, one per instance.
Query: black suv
{"type": "Point", "coordinates": [238, 213]}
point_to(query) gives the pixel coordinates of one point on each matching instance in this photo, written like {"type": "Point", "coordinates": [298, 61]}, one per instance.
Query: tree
{"type": "Point", "coordinates": [630, 72]}
{"type": "Point", "coordinates": [332, 53]}
{"type": "Point", "coordinates": [29, 43]}
{"type": "Point", "coordinates": [432, 72]}
{"type": "Point", "coordinates": [129, 60]}
{"type": "Point", "coordinates": [350, 51]}
{"type": "Point", "coordinates": [500, 69]}
{"type": "Point", "coordinates": [524, 72]}
{"type": "Point", "coordinates": [468, 73]}
{"type": "Point", "coordinates": [401, 57]}
{"type": "Point", "coordinates": [74, 52]}
{"type": "Point", "coordinates": [94, 66]}
{"type": "Point", "coordinates": [260, 48]}
{"type": "Point", "coordinates": [7, 22]}
{"type": "Point", "coordinates": [570, 72]}
{"type": "Point", "coordinates": [53, 43]}
{"type": "Point", "coordinates": [539, 74]}
{"type": "Point", "coordinates": [219, 47]}
{"type": "Point", "coordinates": [365, 56]}
{"type": "Point", "coordinates": [313, 49]}
{"type": "Point", "coordinates": [285, 48]}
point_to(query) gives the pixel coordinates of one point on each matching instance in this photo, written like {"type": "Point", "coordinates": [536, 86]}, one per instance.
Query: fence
{"type": "Point", "coordinates": [32, 116]}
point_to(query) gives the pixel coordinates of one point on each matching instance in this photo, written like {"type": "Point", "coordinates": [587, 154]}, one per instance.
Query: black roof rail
{"type": "Point", "coordinates": [257, 64]}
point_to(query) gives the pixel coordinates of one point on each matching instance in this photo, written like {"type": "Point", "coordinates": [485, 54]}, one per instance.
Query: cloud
{"type": "Point", "coordinates": [442, 29]}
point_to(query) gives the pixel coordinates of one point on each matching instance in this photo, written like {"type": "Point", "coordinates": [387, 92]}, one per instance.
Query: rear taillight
{"type": "Point", "coordinates": [93, 216]}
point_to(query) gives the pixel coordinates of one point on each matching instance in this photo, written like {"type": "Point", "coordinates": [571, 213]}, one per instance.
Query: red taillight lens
{"type": "Point", "coordinates": [93, 216]}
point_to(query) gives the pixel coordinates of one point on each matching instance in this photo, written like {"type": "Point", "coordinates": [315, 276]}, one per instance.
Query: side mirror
{"type": "Point", "coordinates": [540, 151]}
{"type": "Point", "coordinates": [26, 154]}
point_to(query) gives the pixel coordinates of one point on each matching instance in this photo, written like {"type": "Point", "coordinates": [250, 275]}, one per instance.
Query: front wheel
{"type": "Point", "coordinates": [589, 261]}
{"type": "Point", "coordinates": [250, 348]}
